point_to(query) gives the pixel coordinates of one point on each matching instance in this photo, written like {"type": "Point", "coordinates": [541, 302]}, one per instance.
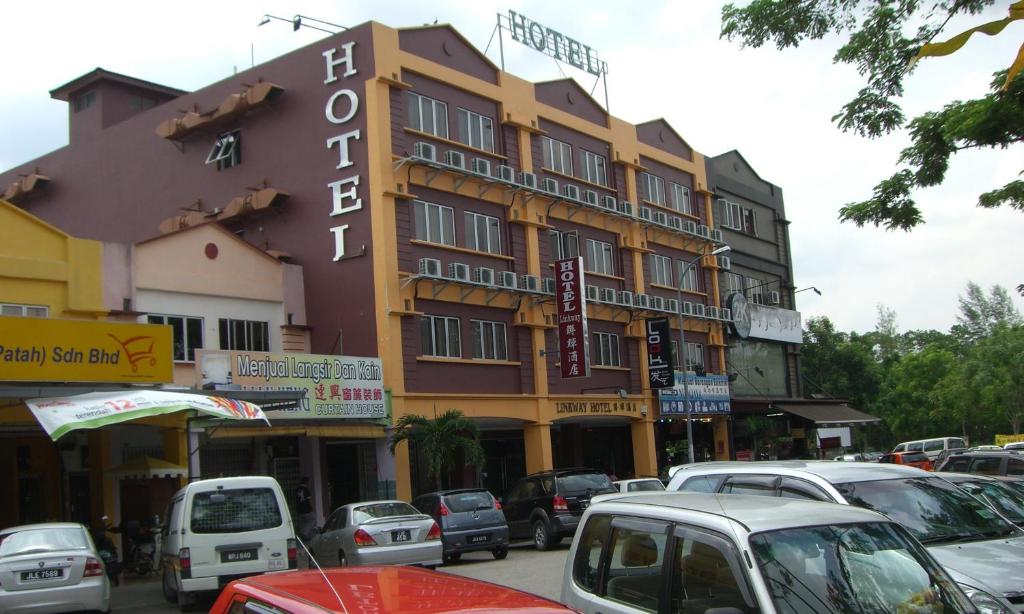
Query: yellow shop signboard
{"type": "Point", "coordinates": [45, 350]}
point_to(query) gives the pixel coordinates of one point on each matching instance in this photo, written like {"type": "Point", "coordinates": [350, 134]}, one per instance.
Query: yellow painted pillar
{"type": "Point", "coordinates": [176, 450]}
{"type": "Point", "coordinates": [645, 456]}
{"type": "Point", "coordinates": [537, 438]}
{"type": "Point", "coordinates": [403, 478]}
{"type": "Point", "coordinates": [721, 426]}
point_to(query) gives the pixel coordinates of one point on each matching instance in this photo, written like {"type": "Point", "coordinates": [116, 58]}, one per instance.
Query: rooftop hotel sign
{"type": "Point", "coordinates": [555, 44]}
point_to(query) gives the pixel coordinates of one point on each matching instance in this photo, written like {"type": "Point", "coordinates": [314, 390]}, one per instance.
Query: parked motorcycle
{"type": "Point", "coordinates": [108, 552]}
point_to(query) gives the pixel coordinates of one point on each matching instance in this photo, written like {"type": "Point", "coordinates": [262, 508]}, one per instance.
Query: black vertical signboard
{"type": "Point", "coordinates": [659, 353]}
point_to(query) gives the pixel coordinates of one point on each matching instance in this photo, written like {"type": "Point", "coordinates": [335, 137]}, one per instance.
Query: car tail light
{"type": "Point", "coordinates": [293, 554]}
{"type": "Point", "coordinates": [93, 567]}
{"type": "Point", "coordinates": [497, 504]}
{"type": "Point", "coordinates": [443, 510]}
{"type": "Point", "coordinates": [362, 538]}
{"type": "Point", "coordinates": [560, 504]}
{"type": "Point", "coordinates": [185, 563]}
{"type": "Point", "coordinates": [434, 533]}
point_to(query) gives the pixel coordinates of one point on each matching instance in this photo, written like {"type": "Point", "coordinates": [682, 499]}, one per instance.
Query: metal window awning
{"type": "Point", "coordinates": [827, 413]}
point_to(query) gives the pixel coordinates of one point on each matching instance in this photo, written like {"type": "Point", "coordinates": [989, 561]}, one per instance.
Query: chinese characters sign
{"type": "Point", "coordinates": [573, 349]}
{"type": "Point", "coordinates": [659, 353]}
{"type": "Point", "coordinates": [707, 394]}
{"type": "Point", "coordinates": [335, 386]}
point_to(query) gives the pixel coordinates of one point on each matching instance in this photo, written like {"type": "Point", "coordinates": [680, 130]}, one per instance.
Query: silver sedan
{"type": "Point", "coordinates": [51, 567]}
{"type": "Point", "coordinates": [378, 533]}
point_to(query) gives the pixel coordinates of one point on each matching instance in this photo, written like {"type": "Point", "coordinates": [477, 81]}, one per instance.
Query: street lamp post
{"type": "Point", "coordinates": [682, 343]}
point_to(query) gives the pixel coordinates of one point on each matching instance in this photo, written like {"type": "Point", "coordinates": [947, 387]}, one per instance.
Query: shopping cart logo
{"type": "Point", "coordinates": [137, 349]}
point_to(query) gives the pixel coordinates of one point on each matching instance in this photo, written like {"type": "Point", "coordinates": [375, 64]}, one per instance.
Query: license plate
{"type": "Point", "coordinates": [42, 574]}
{"type": "Point", "coordinates": [479, 539]}
{"type": "Point", "coordinates": [402, 535]}
{"type": "Point", "coordinates": [234, 556]}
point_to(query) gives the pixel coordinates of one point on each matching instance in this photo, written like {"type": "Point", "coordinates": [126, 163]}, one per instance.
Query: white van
{"type": "Point", "coordinates": [222, 529]}
{"type": "Point", "coordinates": [931, 447]}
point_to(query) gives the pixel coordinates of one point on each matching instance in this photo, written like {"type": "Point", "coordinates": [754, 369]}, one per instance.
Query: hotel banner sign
{"type": "Point", "coordinates": [573, 346]}
{"type": "Point", "coordinates": [349, 387]}
{"type": "Point", "coordinates": [52, 350]}
{"type": "Point", "coordinates": [707, 394]}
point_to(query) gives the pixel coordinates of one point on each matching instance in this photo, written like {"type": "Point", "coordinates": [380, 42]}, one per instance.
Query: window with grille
{"type": "Point", "coordinates": [476, 130]}
{"type": "Point", "coordinates": [434, 223]}
{"type": "Point", "coordinates": [186, 332]}
{"type": "Point", "coordinates": [652, 188]}
{"type": "Point", "coordinates": [489, 340]}
{"type": "Point", "coordinates": [482, 233]}
{"type": "Point", "coordinates": [661, 270]}
{"type": "Point", "coordinates": [599, 257]}
{"type": "Point", "coordinates": [235, 510]}
{"type": "Point", "coordinates": [564, 244]}
{"type": "Point", "coordinates": [557, 155]}
{"type": "Point", "coordinates": [246, 335]}
{"type": "Point", "coordinates": [428, 115]}
{"type": "Point", "coordinates": [688, 276]}
{"type": "Point", "coordinates": [606, 350]}
{"type": "Point", "coordinates": [595, 167]}
{"type": "Point", "coordinates": [24, 311]}
{"type": "Point", "coordinates": [681, 199]}
{"type": "Point", "coordinates": [439, 336]}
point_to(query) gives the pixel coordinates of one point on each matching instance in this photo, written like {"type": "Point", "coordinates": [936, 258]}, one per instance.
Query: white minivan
{"type": "Point", "coordinates": [222, 529]}
{"type": "Point", "coordinates": [931, 447]}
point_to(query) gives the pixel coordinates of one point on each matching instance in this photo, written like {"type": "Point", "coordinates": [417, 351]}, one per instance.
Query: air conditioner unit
{"type": "Point", "coordinates": [506, 173]}
{"type": "Point", "coordinates": [549, 185]}
{"type": "Point", "coordinates": [528, 180]}
{"type": "Point", "coordinates": [625, 298]}
{"type": "Point", "coordinates": [672, 305]}
{"type": "Point", "coordinates": [687, 308]}
{"type": "Point", "coordinates": [482, 167]}
{"type": "Point", "coordinates": [483, 275]}
{"type": "Point", "coordinates": [591, 292]}
{"type": "Point", "coordinates": [716, 236]}
{"type": "Point", "coordinates": [456, 159]}
{"type": "Point", "coordinates": [571, 192]}
{"type": "Point", "coordinates": [646, 214]}
{"type": "Point", "coordinates": [507, 279]}
{"type": "Point", "coordinates": [657, 303]}
{"type": "Point", "coordinates": [690, 226]}
{"type": "Point", "coordinates": [661, 218]}
{"type": "Point", "coordinates": [590, 197]}
{"type": "Point", "coordinates": [704, 231]}
{"type": "Point", "coordinates": [724, 263]}
{"type": "Point", "coordinates": [425, 151]}
{"type": "Point", "coordinates": [711, 312]}
{"type": "Point", "coordinates": [549, 285]}
{"type": "Point", "coordinates": [626, 207]}
{"type": "Point", "coordinates": [698, 310]}
{"type": "Point", "coordinates": [725, 313]}
{"type": "Point", "coordinates": [458, 271]}
{"type": "Point", "coordinates": [675, 222]}
{"type": "Point", "coordinates": [530, 283]}
{"type": "Point", "coordinates": [773, 297]}
{"type": "Point", "coordinates": [608, 202]}
{"type": "Point", "coordinates": [430, 267]}
{"type": "Point", "coordinates": [643, 301]}
{"type": "Point", "coordinates": [608, 295]}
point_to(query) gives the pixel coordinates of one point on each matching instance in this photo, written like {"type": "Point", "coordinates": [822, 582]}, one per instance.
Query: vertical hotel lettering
{"type": "Point", "coordinates": [341, 108]}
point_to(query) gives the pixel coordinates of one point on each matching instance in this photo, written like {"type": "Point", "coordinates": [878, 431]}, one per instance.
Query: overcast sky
{"type": "Point", "coordinates": [665, 60]}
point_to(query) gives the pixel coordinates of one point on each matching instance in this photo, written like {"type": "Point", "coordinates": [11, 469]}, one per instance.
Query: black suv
{"type": "Point", "coordinates": [987, 463]}
{"type": "Point", "coordinates": [548, 505]}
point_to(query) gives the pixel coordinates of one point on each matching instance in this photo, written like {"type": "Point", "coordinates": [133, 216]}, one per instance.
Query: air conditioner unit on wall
{"type": "Point", "coordinates": [455, 158]}
{"type": "Point", "coordinates": [549, 285]}
{"type": "Point", "coordinates": [571, 192]}
{"type": "Point", "coordinates": [507, 279]}
{"type": "Point", "coordinates": [672, 305]}
{"type": "Point", "coordinates": [483, 275]}
{"type": "Point", "coordinates": [608, 202]}
{"type": "Point", "coordinates": [643, 301]}
{"type": "Point", "coordinates": [687, 308]}
{"type": "Point", "coordinates": [704, 231]}
{"type": "Point", "coordinates": [528, 180]}
{"type": "Point", "coordinates": [608, 295]}
{"type": "Point", "coordinates": [711, 312]}
{"type": "Point", "coordinates": [774, 298]}
{"type": "Point", "coordinates": [724, 263]}
{"type": "Point", "coordinates": [646, 214]}
{"type": "Point", "coordinates": [625, 207]}
{"type": "Point", "coordinates": [675, 222]}
{"type": "Point", "coordinates": [506, 173]}
{"type": "Point", "coordinates": [625, 298]}
{"type": "Point", "coordinates": [425, 151]}
{"type": "Point", "coordinates": [725, 313]}
{"type": "Point", "coordinates": [549, 185]}
{"type": "Point", "coordinates": [657, 303]}
{"type": "Point", "coordinates": [482, 167]}
{"type": "Point", "coordinates": [690, 226]}
{"type": "Point", "coordinates": [590, 197]}
{"type": "Point", "coordinates": [698, 310]}
{"type": "Point", "coordinates": [661, 218]}
{"type": "Point", "coordinates": [716, 236]}
{"type": "Point", "coordinates": [430, 267]}
{"type": "Point", "coordinates": [530, 283]}
{"type": "Point", "coordinates": [591, 292]}
{"type": "Point", "coordinates": [458, 271]}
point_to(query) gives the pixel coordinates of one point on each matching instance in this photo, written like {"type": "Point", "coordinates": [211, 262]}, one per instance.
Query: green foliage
{"type": "Point", "coordinates": [839, 365]}
{"type": "Point", "coordinates": [980, 315]}
{"type": "Point", "coordinates": [440, 439]}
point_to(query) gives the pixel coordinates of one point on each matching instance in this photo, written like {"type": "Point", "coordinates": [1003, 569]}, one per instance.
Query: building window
{"type": "Point", "coordinates": [227, 151]}
{"type": "Point", "coordinates": [557, 155]}
{"type": "Point", "coordinates": [186, 333]}
{"type": "Point", "coordinates": [84, 101]}
{"type": "Point", "coordinates": [246, 335]}
{"type": "Point", "coordinates": [661, 270]}
{"type": "Point", "coordinates": [688, 276]}
{"type": "Point", "coordinates": [652, 188]}
{"type": "Point", "coordinates": [731, 215]}
{"type": "Point", "coordinates": [439, 336]}
{"type": "Point", "coordinates": [476, 130]}
{"type": "Point", "coordinates": [694, 356]}
{"type": "Point", "coordinates": [729, 283]}
{"type": "Point", "coordinates": [681, 199]}
{"type": "Point", "coordinates": [564, 244]}
{"type": "Point", "coordinates": [482, 233]}
{"type": "Point", "coordinates": [140, 103]}
{"type": "Point", "coordinates": [755, 290]}
{"type": "Point", "coordinates": [24, 311]}
{"type": "Point", "coordinates": [595, 168]}
{"type": "Point", "coordinates": [489, 340]}
{"type": "Point", "coordinates": [599, 257]}
{"type": "Point", "coordinates": [750, 222]}
{"type": "Point", "coordinates": [606, 350]}
{"type": "Point", "coordinates": [428, 115]}
{"type": "Point", "coordinates": [434, 223]}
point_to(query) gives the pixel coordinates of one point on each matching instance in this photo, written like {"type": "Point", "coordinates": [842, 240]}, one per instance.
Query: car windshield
{"type": "Point", "coordinates": [581, 483]}
{"type": "Point", "coordinates": [914, 457]}
{"type": "Point", "coordinates": [934, 510]}
{"type": "Point", "coordinates": [43, 540]}
{"type": "Point", "coordinates": [382, 510]}
{"type": "Point", "coordinates": [469, 501]}
{"type": "Point", "coordinates": [235, 510]}
{"type": "Point", "coordinates": [1006, 500]}
{"type": "Point", "coordinates": [864, 567]}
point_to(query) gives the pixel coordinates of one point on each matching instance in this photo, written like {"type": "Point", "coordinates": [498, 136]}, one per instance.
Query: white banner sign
{"type": "Point", "coordinates": [58, 415]}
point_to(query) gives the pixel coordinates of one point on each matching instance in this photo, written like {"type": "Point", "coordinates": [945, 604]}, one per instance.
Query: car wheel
{"type": "Point", "coordinates": [170, 593]}
{"type": "Point", "coordinates": [452, 557]}
{"type": "Point", "coordinates": [541, 535]}
{"type": "Point", "coordinates": [500, 553]}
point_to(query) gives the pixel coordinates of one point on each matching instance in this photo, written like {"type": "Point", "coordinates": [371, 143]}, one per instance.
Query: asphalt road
{"type": "Point", "coordinates": [524, 569]}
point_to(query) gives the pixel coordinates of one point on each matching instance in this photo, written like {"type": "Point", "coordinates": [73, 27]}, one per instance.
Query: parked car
{"type": "Point", "coordinates": [51, 567]}
{"type": "Point", "coordinates": [981, 550]}
{"type": "Point", "coordinates": [548, 505]}
{"type": "Point", "coordinates": [931, 447]}
{"type": "Point", "coordinates": [985, 448]}
{"type": "Point", "coordinates": [638, 484]}
{"type": "Point", "coordinates": [988, 463]}
{"type": "Point", "coordinates": [942, 456]}
{"type": "Point", "coordinates": [470, 520]}
{"type": "Point", "coordinates": [913, 459]}
{"type": "Point", "coordinates": [376, 590]}
{"type": "Point", "coordinates": [695, 552]}
{"type": "Point", "coordinates": [853, 457]}
{"type": "Point", "coordinates": [1015, 445]}
{"type": "Point", "coordinates": [387, 532]}
{"type": "Point", "coordinates": [1000, 496]}
{"type": "Point", "coordinates": [221, 529]}
{"type": "Point", "coordinates": [873, 457]}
